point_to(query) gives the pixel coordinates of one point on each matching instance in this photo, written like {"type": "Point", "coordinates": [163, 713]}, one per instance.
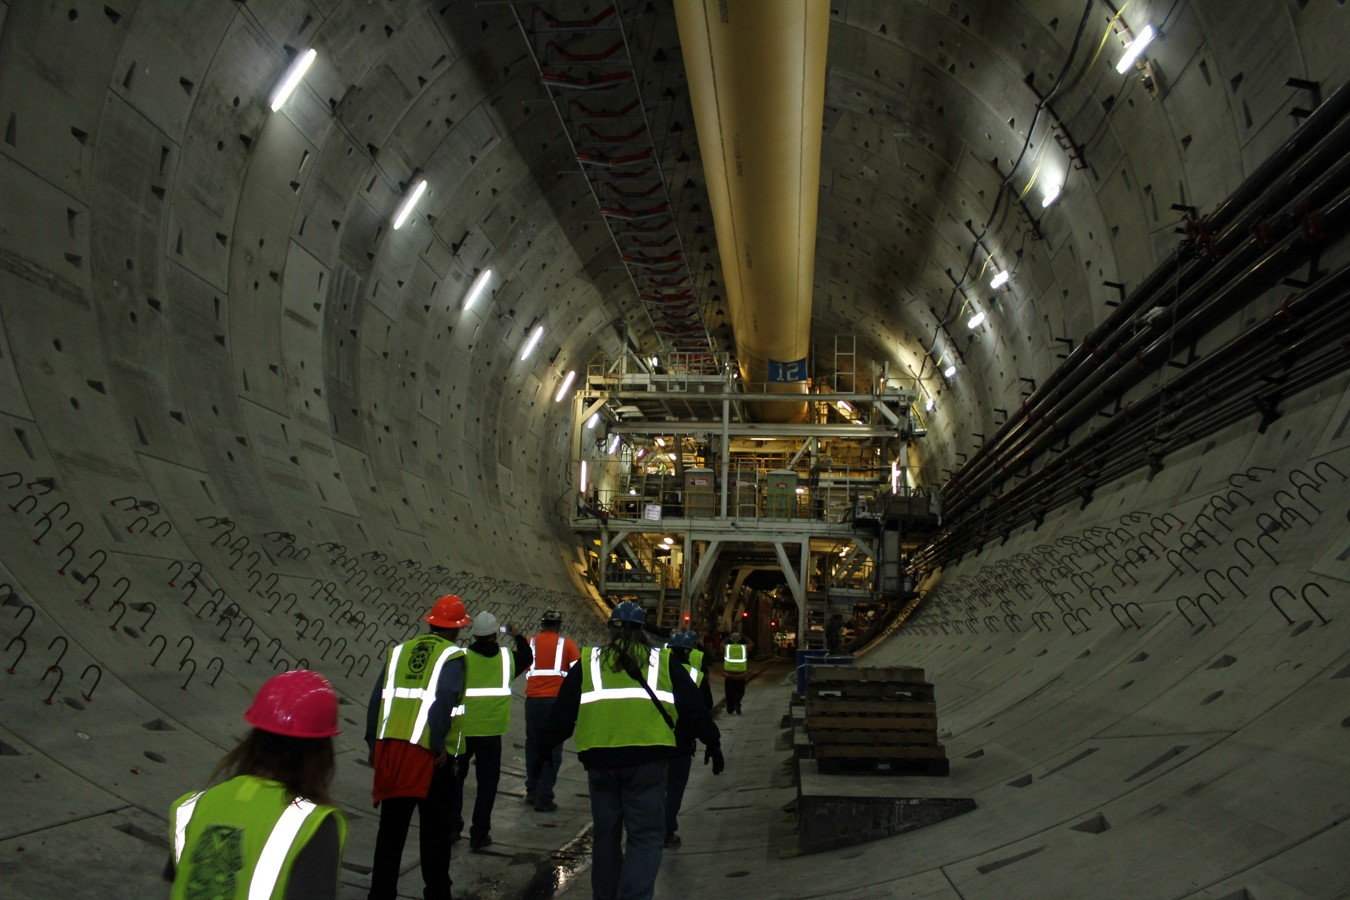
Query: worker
{"type": "Point", "coordinates": [684, 650]}
{"type": "Point", "coordinates": [735, 662]}
{"type": "Point", "coordinates": [553, 656]}
{"type": "Point", "coordinates": [488, 673]}
{"type": "Point", "coordinates": [270, 830]}
{"type": "Point", "coordinates": [412, 729]}
{"type": "Point", "coordinates": [623, 700]}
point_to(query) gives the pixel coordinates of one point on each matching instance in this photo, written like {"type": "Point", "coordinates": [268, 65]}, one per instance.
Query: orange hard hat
{"type": "Point", "coordinates": [299, 703]}
{"type": "Point", "coordinates": [448, 613]}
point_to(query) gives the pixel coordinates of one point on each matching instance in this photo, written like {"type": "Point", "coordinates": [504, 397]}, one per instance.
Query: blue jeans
{"type": "Point", "coordinates": [677, 778]}
{"type": "Point", "coordinates": [488, 753]}
{"type": "Point", "coordinates": [628, 800]}
{"type": "Point", "coordinates": [536, 711]}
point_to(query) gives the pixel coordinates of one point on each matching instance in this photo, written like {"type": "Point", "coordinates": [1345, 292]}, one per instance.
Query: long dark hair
{"type": "Point", "coordinates": [303, 765]}
{"type": "Point", "coordinates": [626, 651]}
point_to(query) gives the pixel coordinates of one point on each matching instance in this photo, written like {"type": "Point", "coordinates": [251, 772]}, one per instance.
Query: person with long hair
{"type": "Point", "coordinates": [269, 829]}
{"type": "Point", "coordinates": [622, 701]}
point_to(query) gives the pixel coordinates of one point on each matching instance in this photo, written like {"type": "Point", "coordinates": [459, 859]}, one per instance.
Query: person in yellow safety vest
{"type": "Point", "coordinates": [735, 666]}
{"type": "Point", "coordinates": [412, 730]}
{"type": "Point", "coordinates": [683, 648]}
{"type": "Point", "coordinates": [489, 671]}
{"type": "Point", "coordinates": [270, 831]}
{"type": "Point", "coordinates": [623, 700]}
{"type": "Point", "coordinates": [553, 656]}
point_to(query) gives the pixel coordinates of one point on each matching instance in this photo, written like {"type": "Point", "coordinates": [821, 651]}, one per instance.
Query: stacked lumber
{"type": "Point", "coordinates": [878, 720]}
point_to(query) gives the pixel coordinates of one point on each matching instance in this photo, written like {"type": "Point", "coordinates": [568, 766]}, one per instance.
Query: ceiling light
{"type": "Point", "coordinates": [950, 370]}
{"type": "Point", "coordinates": [613, 444]}
{"type": "Point", "coordinates": [567, 383]}
{"type": "Point", "coordinates": [653, 361]}
{"type": "Point", "coordinates": [976, 320]}
{"type": "Point", "coordinates": [476, 289]}
{"type": "Point", "coordinates": [583, 476]}
{"type": "Point", "coordinates": [930, 404]}
{"type": "Point", "coordinates": [672, 456]}
{"type": "Point", "coordinates": [632, 492]}
{"type": "Point", "coordinates": [660, 442]}
{"type": "Point", "coordinates": [1136, 47]}
{"type": "Point", "coordinates": [532, 342]}
{"type": "Point", "coordinates": [593, 421]}
{"type": "Point", "coordinates": [1051, 195]}
{"type": "Point", "coordinates": [801, 490]}
{"type": "Point", "coordinates": [291, 80]}
{"type": "Point", "coordinates": [844, 407]}
{"type": "Point", "coordinates": [406, 209]}
{"type": "Point", "coordinates": [1000, 279]}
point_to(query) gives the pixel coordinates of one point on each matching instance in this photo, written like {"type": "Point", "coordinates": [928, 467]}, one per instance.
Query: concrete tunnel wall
{"type": "Point", "coordinates": [210, 341]}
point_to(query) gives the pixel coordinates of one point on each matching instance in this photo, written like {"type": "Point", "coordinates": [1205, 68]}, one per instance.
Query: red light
{"type": "Point", "coordinates": [773, 623]}
{"type": "Point", "coordinates": [686, 618]}
{"type": "Point", "coordinates": [745, 615]}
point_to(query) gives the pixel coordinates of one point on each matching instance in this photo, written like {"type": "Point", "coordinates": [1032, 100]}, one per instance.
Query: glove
{"type": "Point", "coordinates": [714, 755]}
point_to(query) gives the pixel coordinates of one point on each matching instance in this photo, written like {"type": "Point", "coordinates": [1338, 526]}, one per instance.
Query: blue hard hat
{"type": "Point", "coordinates": [627, 611]}
{"type": "Point", "coordinates": [685, 639]}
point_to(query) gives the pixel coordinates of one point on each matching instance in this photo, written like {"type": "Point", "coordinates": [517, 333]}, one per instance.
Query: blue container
{"type": "Point", "coordinates": [807, 659]}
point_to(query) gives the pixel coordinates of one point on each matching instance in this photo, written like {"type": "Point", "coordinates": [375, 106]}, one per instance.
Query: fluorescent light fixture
{"type": "Point", "coordinates": [672, 456]}
{"type": "Point", "coordinates": [845, 407]}
{"type": "Point", "coordinates": [291, 80]}
{"type": "Point", "coordinates": [476, 289]}
{"type": "Point", "coordinates": [976, 320]}
{"type": "Point", "coordinates": [801, 490]}
{"type": "Point", "coordinates": [567, 383]}
{"type": "Point", "coordinates": [930, 405]}
{"type": "Point", "coordinates": [895, 477]}
{"type": "Point", "coordinates": [1141, 41]}
{"type": "Point", "coordinates": [583, 476]}
{"type": "Point", "coordinates": [613, 444]}
{"type": "Point", "coordinates": [654, 361]}
{"type": "Point", "coordinates": [950, 370]}
{"type": "Point", "coordinates": [1000, 279]}
{"type": "Point", "coordinates": [532, 342]}
{"type": "Point", "coordinates": [660, 442]}
{"type": "Point", "coordinates": [593, 421]}
{"type": "Point", "coordinates": [632, 492]}
{"type": "Point", "coordinates": [1051, 195]}
{"type": "Point", "coordinates": [406, 209]}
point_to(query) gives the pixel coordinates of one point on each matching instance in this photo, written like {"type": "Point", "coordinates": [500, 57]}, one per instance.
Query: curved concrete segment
{"type": "Point", "coordinates": [247, 425]}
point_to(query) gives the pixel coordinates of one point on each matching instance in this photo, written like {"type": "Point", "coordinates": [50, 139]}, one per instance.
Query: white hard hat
{"type": "Point", "coordinates": [484, 624]}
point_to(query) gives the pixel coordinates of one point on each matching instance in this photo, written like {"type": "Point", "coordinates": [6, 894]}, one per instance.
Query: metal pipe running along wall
{"type": "Point", "coordinates": [756, 71]}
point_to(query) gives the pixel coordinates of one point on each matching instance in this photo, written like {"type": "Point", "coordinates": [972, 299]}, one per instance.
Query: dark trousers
{"type": "Point", "coordinates": [735, 689]}
{"type": "Point", "coordinates": [631, 800]}
{"type": "Point", "coordinates": [433, 817]}
{"type": "Point", "coordinates": [536, 711]}
{"type": "Point", "coordinates": [487, 751]}
{"type": "Point", "coordinates": [677, 779]}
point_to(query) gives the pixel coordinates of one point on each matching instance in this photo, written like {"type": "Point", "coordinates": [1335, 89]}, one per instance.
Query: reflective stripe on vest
{"type": "Point", "coordinates": [503, 690]}
{"type": "Point", "coordinates": [268, 869]}
{"type": "Point", "coordinates": [424, 695]}
{"type": "Point", "coordinates": [734, 658]}
{"type": "Point", "coordinates": [599, 692]}
{"type": "Point", "coordinates": [181, 816]}
{"type": "Point", "coordinates": [696, 666]}
{"type": "Point", "coordinates": [557, 660]}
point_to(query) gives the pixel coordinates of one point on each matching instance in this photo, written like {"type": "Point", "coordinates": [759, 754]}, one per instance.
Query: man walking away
{"type": "Point", "coordinates": [489, 671]}
{"type": "Point", "coordinates": [553, 656]}
{"type": "Point", "coordinates": [623, 700]}
{"type": "Point", "coordinates": [684, 650]}
{"type": "Point", "coordinates": [735, 663]}
{"type": "Point", "coordinates": [411, 728]}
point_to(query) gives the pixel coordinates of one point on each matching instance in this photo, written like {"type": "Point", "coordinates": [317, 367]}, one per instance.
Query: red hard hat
{"type": "Point", "coordinates": [299, 703]}
{"type": "Point", "coordinates": [448, 613]}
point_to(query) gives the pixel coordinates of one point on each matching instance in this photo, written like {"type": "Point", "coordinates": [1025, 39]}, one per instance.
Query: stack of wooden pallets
{"type": "Point", "coordinates": [880, 720]}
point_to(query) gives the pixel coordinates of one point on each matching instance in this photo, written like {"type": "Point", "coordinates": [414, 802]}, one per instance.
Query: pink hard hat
{"type": "Point", "coordinates": [299, 703]}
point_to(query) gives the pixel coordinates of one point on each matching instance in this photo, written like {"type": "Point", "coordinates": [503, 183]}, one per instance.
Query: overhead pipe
{"type": "Point", "coordinates": [756, 72]}
{"type": "Point", "coordinates": [1323, 137]}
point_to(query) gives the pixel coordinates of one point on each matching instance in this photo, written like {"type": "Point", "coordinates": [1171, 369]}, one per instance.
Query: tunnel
{"type": "Point", "coordinates": [277, 372]}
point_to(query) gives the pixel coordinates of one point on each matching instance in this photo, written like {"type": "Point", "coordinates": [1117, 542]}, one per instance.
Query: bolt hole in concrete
{"type": "Point", "coordinates": [1345, 723]}
{"type": "Point", "coordinates": [1300, 628]}
{"type": "Point", "coordinates": [72, 703]}
{"type": "Point", "coordinates": [1211, 698]}
{"type": "Point", "coordinates": [737, 874]}
{"type": "Point", "coordinates": [155, 757]}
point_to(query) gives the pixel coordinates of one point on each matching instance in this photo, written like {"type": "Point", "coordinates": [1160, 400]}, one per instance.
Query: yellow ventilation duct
{"type": "Point", "coordinates": [756, 71]}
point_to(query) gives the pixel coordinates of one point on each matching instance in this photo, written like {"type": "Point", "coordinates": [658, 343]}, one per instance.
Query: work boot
{"type": "Point", "coordinates": [530, 798]}
{"type": "Point", "coordinates": [546, 807]}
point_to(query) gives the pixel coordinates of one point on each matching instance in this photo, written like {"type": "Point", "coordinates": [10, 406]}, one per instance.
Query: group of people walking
{"type": "Point", "coordinates": [636, 712]}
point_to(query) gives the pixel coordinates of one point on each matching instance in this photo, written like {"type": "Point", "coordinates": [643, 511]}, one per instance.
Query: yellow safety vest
{"type": "Point", "coordinates": [617, 711]}
{"type": "Point", "coordinates": [734, 658]}
{"type": "Point", "coordinates": [487, 693]}
{"type": "Point", "coordinates": [410, 677]}
{"type": "Point", "coordinates": [240, 839]}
